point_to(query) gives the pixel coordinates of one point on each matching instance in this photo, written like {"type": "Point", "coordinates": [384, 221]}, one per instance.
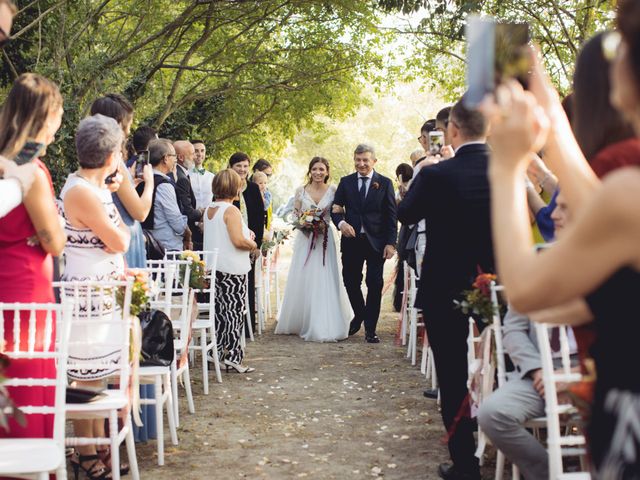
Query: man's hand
{"type": "Point", "coordinates": [538, 383]}
{"type": "Point", "coordinates": [187, 243]}
{"type": "Point", "coordinates": [447, 152]}
{"type": "Point", "coordinates": [389, 252]}
{"type": "Point", "coordinates": [347, 230]}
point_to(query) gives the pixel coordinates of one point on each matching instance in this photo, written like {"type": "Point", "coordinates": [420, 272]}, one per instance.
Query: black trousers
{"type": "Point", "coordinates": [448, 329]}
{"type": "Point", "coordinates": [355, 253]}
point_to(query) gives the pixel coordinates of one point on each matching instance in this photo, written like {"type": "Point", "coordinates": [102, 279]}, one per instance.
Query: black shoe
{"type": "Point", "coordinates": [429, 393]}
{"type": "Point", "coordinates": [451, 472]}
{"type": "Point", "coordinates": [354, 327]}
{"type": "Point", "coordinates": [372, 338]}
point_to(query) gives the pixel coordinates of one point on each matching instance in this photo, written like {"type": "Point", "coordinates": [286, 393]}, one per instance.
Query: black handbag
{"type": "Point", "coordinates": [157, 339]}
{"type": "Point", "coordinates": [152, 246]}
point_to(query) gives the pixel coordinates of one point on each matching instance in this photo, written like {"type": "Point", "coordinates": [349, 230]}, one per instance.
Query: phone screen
{"type": "Point", "coordinates": [29, 152]}
{"type": "Point", "coordinates": [495, 53]}
{"type": "Point", "coordinates": [436, 142]}
{"type": "Point", "coordinates": [141, 161]}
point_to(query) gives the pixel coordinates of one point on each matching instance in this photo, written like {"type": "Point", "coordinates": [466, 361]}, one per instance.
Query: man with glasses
{"type": "Point", "coordinates": [453, 198]}
{"type": "Point", "coordinates": [165, 222]}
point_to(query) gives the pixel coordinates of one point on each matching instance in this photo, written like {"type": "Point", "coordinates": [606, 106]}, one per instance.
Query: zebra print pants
{"type": "Point", "coordinates": [231, 293]}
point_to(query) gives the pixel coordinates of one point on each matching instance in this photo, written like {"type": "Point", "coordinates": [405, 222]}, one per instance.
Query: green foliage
{"type": "Point", "coordinates": [242, 75]}
{"type": "Point", "coordinates": [558, 26]}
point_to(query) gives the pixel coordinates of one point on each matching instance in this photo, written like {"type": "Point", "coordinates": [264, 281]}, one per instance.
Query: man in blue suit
{"type": "Point", "coordinates": [364, 210]}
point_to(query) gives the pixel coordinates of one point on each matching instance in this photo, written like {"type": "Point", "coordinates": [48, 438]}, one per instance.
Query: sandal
{"type": "Point", "coordinates": [105, 456]}
{"type": "Point", "coordinates": [96, 471]}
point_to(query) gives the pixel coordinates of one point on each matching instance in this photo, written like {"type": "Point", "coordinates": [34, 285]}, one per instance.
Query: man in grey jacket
{"type": "Point", "coordinates": [503, 414]}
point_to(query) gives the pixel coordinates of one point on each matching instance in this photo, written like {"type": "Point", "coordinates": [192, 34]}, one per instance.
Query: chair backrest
{"type": "Point", "coordinates": [555, 441]}
{"type": "Point", "coordinates": [171, 278]}
{"type": "Point", "coordinates": [101, 308]}
{"type": "Point", "coordinates": [496, 324]}
{"type": "Point", "coordinates": [38, 344]}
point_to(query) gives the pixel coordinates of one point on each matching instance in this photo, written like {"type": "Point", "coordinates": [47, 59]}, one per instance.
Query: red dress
{"type": "Point", "coordinates": [26, 273]}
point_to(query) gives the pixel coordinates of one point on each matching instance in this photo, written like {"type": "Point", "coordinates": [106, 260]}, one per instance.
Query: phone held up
{"type": "Point", "coordinates": [496, 52]}
{"type": "Point", "coordinates": [141, 161]}
{"type": "Point", "coordinates": [436, 142]}
{"type": "Point", "coordinates": [29, 152]}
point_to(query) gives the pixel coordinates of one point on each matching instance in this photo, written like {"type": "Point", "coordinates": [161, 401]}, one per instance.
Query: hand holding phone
{"type": "Point", "coordinates": [29, 152]}
{"type": "Point", "coordinates": [436, 142]}
{"type": "Point", "coordinates": [141, 160]}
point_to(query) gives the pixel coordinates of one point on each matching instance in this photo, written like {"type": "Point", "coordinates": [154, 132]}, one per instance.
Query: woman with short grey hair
{"type": "Point", "coordinates": [96, 241]}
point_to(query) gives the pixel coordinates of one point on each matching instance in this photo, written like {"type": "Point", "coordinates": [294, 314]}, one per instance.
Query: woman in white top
{"type": "Point", "coordinates": [225, 230]}
{"type": "Point", "coordinates": [96, 242]}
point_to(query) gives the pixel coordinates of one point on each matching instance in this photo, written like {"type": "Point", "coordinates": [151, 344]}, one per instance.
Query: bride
{"type": "Point", "coordinates": [315, 304]}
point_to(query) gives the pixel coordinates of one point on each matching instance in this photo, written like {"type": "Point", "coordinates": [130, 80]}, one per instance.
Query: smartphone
{"type": "Point", "coordinates": [495, 52]}
{"type": "Point", "coordinates": [436, 142]}
{"type": "Point", "coordinates": [29, 152]}
{"type": "Point", "coordinates": [141, 161]}
{"type": "Point", "coordinates": [111, 178]}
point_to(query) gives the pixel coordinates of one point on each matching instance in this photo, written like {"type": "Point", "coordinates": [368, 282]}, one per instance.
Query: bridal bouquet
{"type": "Point", "coordinates": [312, 223]}
{"type": "Point", "coordinates": [477, 301]}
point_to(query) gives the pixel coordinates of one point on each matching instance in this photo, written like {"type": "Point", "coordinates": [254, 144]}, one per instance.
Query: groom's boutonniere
{"type": "Point", "coordinates": [375, 185]}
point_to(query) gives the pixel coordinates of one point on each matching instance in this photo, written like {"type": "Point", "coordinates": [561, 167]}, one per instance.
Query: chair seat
{"type": "Point", "coordinates": [201, 324]}
{"type": "Point", "coordinates": [153, 371]}
{"type": "Point", "coordinates": [29, 455]}
{"type": "Point", "coordinates": [113, 400]}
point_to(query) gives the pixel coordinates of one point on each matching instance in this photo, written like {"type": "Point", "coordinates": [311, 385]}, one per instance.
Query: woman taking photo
{"type": "Point", "coordinates": [132, 208]}
{"type": "Point", "coordinates": [97, 239]}
{"type": "Point", "coordinates": [29, 235]}
{"type": "Point", "coordinates": [225, 230]}
{"type": "Point", "coordinates": [598, 258]}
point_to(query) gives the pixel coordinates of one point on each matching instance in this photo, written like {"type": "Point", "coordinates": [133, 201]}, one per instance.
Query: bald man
{"type": "Point", "coordinates": [186, 198]}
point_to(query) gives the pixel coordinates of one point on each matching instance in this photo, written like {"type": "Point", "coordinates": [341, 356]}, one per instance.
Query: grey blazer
{"type": "Point", "coordinates": [520, 342]}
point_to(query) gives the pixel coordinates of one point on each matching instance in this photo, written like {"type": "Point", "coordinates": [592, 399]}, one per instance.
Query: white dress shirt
{"type": "Point", "coordinates": [201, 185]}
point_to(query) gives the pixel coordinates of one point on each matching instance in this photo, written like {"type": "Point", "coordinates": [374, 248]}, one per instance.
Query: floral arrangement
{"type": "Point", "coordinates": [198, 272]}
{"type": "Point", "coordinates": [139, 293]}
{"type": "Point", "coordinates": [8, 408]}
{"type": "Point", "coordinates": [278, 237]}
{"type": "Point", "coordinates": [311, 222]}
{"type": "Point", "coordinates": [477, 301]}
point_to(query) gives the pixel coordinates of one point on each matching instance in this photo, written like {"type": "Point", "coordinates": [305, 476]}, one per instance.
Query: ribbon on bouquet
{"type": "Point", "coordinates": [318, 227]}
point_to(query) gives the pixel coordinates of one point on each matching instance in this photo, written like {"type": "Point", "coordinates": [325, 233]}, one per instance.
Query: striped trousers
{"type": "Point", "coordinates": [231, 292]}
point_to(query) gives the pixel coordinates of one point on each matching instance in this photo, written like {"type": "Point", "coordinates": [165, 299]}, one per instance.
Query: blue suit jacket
{"type": "Point", "coordinates": [377, 213]}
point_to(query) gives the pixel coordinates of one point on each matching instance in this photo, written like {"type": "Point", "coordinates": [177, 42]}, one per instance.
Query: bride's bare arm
{"type": "Point", "coordinates": [573, 313]}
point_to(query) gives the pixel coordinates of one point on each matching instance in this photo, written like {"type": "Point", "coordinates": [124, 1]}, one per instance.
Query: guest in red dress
{"type": "Point", "coordinates": [29, 235]}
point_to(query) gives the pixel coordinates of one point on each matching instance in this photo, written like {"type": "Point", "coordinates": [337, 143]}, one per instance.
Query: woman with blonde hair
{"type": "Point", "coordinates": [225, 230]}
{"type": "Point", "coordinates": [29, 235]}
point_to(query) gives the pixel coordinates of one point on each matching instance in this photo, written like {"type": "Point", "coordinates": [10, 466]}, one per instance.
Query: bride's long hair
{"type": "Point", "coordinates": [323, 161]}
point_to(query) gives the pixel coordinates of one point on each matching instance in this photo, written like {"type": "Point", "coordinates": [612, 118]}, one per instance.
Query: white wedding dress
{"type": "Point", "coordinates": [315, 304]}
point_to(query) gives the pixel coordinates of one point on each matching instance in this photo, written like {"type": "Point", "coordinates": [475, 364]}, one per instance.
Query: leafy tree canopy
{"type": "Point", "coordinates": [558, 26]}
{"type": "Point", "coordinates": [242, 75]}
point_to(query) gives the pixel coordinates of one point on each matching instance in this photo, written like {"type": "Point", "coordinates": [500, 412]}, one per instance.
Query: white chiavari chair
{"type": "Point", "coordinates": [174, 299]}
{"type": "Point", "coordinates": [96, 306]}
{"type": "Point", "coordinates": [37, 457]}
{"type": "Point", "coordinates": [413, 314]}
{"type": "Point", "coordinates": [559, 445]}
{"type": "Point", "coordinates": [404, 311]}
{"type": "Point", "coordinates": [205, 338]}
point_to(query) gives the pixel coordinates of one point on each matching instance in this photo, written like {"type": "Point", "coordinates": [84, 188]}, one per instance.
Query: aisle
{"type": "Point", "coordinates": [324, 411]}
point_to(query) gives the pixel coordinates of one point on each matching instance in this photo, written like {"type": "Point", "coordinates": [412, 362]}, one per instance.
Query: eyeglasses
{"type": "Point", "coordinates": [171, 155]}
{"type": "Point", "coordinates": [610, 44]}
{"type": "Point", "coordinates": [5, 38]}
{"type": "Point", "coordinates": [422, 137]}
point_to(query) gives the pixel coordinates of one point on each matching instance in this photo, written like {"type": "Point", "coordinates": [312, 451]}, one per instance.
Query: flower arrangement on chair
{"type": "Point", "coordinates": [8, 408]}
{"type": "Point", "coordinates": [139, 293]}
{"type": "Point", "coordinates": [476, 302]}
{"type": "Point", "coordinates": [198, 272]}
{"type": "Point", "coordinates": [311, 222]}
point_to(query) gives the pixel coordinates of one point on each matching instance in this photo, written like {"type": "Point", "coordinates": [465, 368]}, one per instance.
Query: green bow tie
{"type": "Point", "coordinates": [199, 171]}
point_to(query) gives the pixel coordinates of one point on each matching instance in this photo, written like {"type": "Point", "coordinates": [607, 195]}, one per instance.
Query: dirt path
{"type": "Point", "coordinates": [324, 411]}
